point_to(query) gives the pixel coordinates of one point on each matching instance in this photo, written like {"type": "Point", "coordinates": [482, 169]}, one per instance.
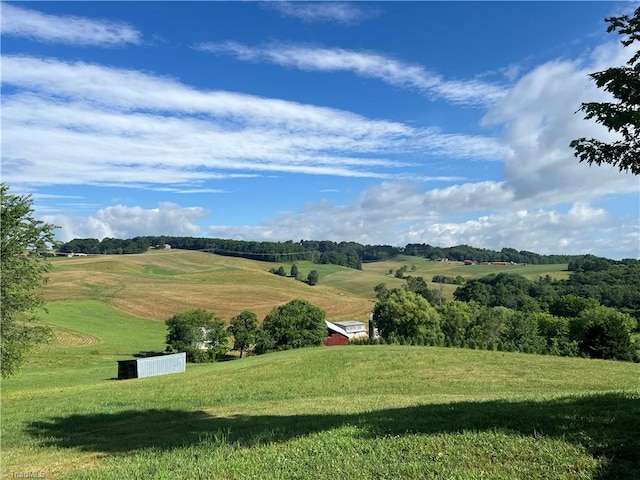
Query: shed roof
{"type": "Point", "coordinates": [335, 328]}
{"type": "Point", "coordinates": [350, 323]}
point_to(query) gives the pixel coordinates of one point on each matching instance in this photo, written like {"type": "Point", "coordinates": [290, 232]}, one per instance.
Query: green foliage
{"type": "Point", "coordinates": [621, 116]}
{"type": "Point", "coordinates": [243, 327]}
{"type": "Point", "coordinates": [521, 334]}
{"type": "Point", "coordinates": [380, 289]}
{"type": "Point", "coordinates": [279, 271]}
{"type": "Point", "coordinates": [296, 324]}
{"type": "Point", "coordinates": [419, 285]}
{"type": "Point", "coordinates": [401, 313]}
{"type": "Point", "coordinates": [199, 333]}
{"type": "Point", "coordinates": [313, 277]}
{"type": "Point", "coordinates": [294, 270]}
{"type": "Point", "coordinates": [401, 271]}
{"type": "Point", "coordinates": [571, 306]}
{"type": "Point", "coordinates": [555, 331]}
{"type": "Point", "coordinates": [457, 317]}
{"type": "Point", "coordinates": [607, 334]}
{"type": "Point", "coordinates": [23, 246]}
{"type": "Point", "coordinates": [457, 280]}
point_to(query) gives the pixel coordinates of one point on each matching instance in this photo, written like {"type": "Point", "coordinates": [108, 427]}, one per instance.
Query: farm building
{"type": "Point", "coordinates": [335, 335]}
{"type": "Point", "coordinates": [339, 333]}
{"type": "Point", "coordinates": [353, 328]}
{"type": "Point", "coordinates": [152, 366]}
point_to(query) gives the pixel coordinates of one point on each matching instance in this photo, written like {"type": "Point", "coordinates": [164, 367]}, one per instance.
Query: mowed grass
{"type": "Point", "coordinates": [381, 412]}
{"type": "Point", "coordinates": [159, 284]}
{"type": "Point", "coordinates": [326, 412]}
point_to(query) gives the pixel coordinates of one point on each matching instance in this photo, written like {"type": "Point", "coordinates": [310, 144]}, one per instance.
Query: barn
{"type": "Point", "coordinates": [353, 328]}
{"type": "Point", "coordinates": [335, 335]}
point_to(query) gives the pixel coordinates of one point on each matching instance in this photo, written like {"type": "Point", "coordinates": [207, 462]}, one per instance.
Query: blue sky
{"type": "Point", "coordinates": [377, 122]}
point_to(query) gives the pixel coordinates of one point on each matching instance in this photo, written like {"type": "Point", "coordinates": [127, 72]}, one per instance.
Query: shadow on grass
{"type": "Point", "coordinates": [606, 425]}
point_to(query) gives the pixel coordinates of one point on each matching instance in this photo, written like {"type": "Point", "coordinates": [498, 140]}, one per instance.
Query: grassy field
{"type": "Point", "coordinates": [382, 412]}
{"type": "Point", "coordinates": [158, 284]}
{"type": "Point", "coordinates": [350, 412]}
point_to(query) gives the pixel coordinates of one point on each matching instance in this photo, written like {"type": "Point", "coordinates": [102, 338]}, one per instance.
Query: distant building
{"type": "Point", "coordinates": [339, 333]}
{"type": "Point", "coordinates": [335, 335]}
{"type": "Point", "coordinates": [353, 328]}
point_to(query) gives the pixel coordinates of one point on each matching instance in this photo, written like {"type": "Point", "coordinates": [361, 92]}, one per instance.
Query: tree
{"type": "Point", "coordinates": [243, 327]}
{"type": "Point", "coordinates": [23, 246]}
{"type": "Point", "coordinates": [294, 270]}
{"type": "Point", "coordinates": [456, 317]}
{"type": "Point", "coordinates": [401, 313]}
{"type": "Point", "coordinates": [622, 116]}
{"type": "Point", "coordinates": [607, 334]}
{"type": "Point", "coordinates": [312, 278]}
{"type": "Point", "coordinates": [199, 333]}
{"type": "Point", "coordinates": [296, 324]}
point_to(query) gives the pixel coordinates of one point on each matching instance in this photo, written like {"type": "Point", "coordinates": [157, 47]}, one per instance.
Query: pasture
{"type": "Point", "coordinates": [160, 283]}
{"type": "Point", "coordinates": [330, 412]}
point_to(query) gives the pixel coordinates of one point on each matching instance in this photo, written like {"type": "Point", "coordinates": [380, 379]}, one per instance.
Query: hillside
{"type": "Point", "coordinates": [327, 412]}
{"type": "Point", "coordinates": [160, 283]}
{"type": "Point", "coordinates": [351, 412]}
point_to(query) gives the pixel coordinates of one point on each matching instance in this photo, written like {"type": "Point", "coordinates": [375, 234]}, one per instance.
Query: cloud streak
{"type": "Point", "coordinates": [129, 127]}
{"type": "Point", "coordinates": [364, 64]}
{"type": "Point", "coordinates": [342, 13]}
{"type": "Point", "coordinates": [22, 22]}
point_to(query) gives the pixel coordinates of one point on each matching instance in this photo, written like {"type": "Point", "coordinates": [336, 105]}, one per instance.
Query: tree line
{"type": "Point", "coordinates": [348, 254]}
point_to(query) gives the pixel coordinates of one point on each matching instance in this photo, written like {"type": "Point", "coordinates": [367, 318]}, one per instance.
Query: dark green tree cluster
{"type": "Point", "coordinates": [594, 331]}
{"type": "Point", "coordinates": [458, 280]}
{"type": "Point", "coordinates": [461, 253]}
{"type": "Point", "coordinates": [23, 246]}
{"type": "Point", "coordinates": [243, 327]}
{"type": "Point", "coordinates": [312, 277]}
{"type": "Point", "coordinates": [612, 284]}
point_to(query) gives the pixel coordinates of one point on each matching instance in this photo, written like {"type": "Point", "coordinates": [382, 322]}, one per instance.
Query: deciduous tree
{"type": "Point", "coordinates": [243, 327]}
{"type": "Point", "coordinates": [622, 115]}
{"type": "Point", "coordinates": [296, 324]}
{"type": "Point", "coordinates": [23, 246]}
{"type": "Point", "coordinates": [402, 313]}
{"type": "Point", "coordinates": [199, 333]}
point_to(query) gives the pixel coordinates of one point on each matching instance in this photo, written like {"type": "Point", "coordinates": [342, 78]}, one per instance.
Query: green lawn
{"type": "Point", "coordinates": [350, 412]}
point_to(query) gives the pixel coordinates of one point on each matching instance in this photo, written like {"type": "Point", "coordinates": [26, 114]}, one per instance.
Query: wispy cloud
{"type": "Point", "coordinates": [22, 22]}
{"type": "Point", "coordinates": [134, 128]}
{"type": "Point", "coordinates": [324, 12]}
{"type": "Point", "coordinates": [365, 64]}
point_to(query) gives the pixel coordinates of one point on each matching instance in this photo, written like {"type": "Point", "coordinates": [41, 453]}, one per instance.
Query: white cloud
{"type": "Point", "coordinates": [121, 221]}
{"type": "Point", "coordinates": [365, 64]}
{"type": "Point", "coordinates": [324, 12]}
{"type": "Point", "coordinates": [539, 121]}
{"type": "Point", "coordinates": [582, 229]}
{"type": "Point", "coordinates": [22, 22]}
{"type": "Point", "coordinates": [134, 128]}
